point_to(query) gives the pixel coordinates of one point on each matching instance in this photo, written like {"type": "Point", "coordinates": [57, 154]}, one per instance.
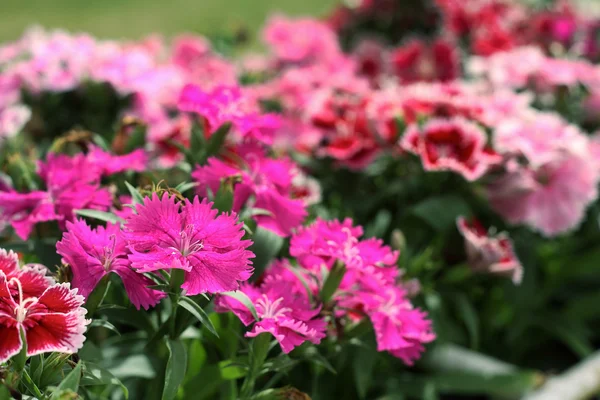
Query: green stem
{"type": "Point", "coordinates": [177, 278]}
{"type": "Point", "coordinates": [258, 355]}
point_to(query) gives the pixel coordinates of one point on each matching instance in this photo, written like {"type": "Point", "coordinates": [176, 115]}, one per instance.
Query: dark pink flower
{"type": "Point", "coordinates": [400, 329]}
{"type": "Point", "coordinates": [283, 312]}
{"type": "Point", "coordinates": [72, 183]}
{"type": "Point", "coordinates": [190, 236]}
{"type": "Point", "coordinates": [487, 253]}
{"type": "Point", "coordinates": [52, 319]}
{"type": "Point", "coordinates": [450, 145]}
{"type": "Point", "coordinates": [111, 164]}
{"type": "Point", "coordinates": [420, 61]}
{"type": "Point", "coordinates": [325, 242]}
{"type": "Point", "coordinates": [227, 104]}
{"type": "Point", "coordinates": [94, 253]}
{"type": "Point", "coordinates": [369, 288]}
{"type": "Point", "coordinates": [268, 181]}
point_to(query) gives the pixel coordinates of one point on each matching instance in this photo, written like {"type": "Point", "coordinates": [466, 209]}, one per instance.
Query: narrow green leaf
{"type": "Point", "coordinates": [230, 371]}
{"type": "Point", "coordinates": [197, 141]}
{"type": "Point", "coordinates": [301, 278]}
{"type": "Point", "coordinates": [101, 215]}
{"type": "Point", "coordinates": [193, 308]}
{"type": "Point", "coordinates": [30, 386]}
{"type": "Point", "coordinates": [101, 323]}
{"type": "Point", "coordinates": [70, 382]}
{"type": "Point", "coordinates": [467, 313]}
{"type": "Point", "coordinates": [362, 369]}
{"type": "Point", "coordinates": [332, 282]}
{"type": "Point", "coordinates": [135, 194]}
{"type": "Point", "coordinates": [266, 246]}
{"type": "Point", "coordinates": [441, 212]}
{"type": "Point", "coordinates": [244, 299]}
{"type": "Point", "coordinates": [94, 375]}
{"type": "Point", "coordinates": [216, 140]}
{"type": "Point", "coordinates": [175, 371]}
{"type": "Point", "coordinates": [185, 186]}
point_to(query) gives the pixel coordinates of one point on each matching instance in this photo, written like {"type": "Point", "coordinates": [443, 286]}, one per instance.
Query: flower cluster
{"type": "Point", "coordinates": [370, 288]}
{"type": "Point", "coordinates": [162, 234]}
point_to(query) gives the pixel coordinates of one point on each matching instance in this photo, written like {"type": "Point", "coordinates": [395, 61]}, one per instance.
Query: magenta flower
{"type": "Point", "coordinates": [111, 164]}
{"type": "Point", "coordinates": [268, 181]}
{"type": "Point", "coordinates": [325, 242]}
{"type": "Point", "coordinates": [492, 254]}
{"type": "Point", "coordinates": [369, 288]}
{"type": "Point", "coordinates": [282, 312]}
{"type": "Point", "coordinates": [450, 145]}
{"type": "Point", "coordinates": [71, 183]}
{"type": "Point", "coordinates": [94, 253]}
{"type": "Point", "coordinates": [190, 236]}
{"type": "Point", "coordinates": [227, 104]}
{"type": "Point", "coordinates": [400, 329]}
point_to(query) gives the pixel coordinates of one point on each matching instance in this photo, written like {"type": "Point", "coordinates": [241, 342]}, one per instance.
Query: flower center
{"type": "Point", "coordinates": [271, 309]}
{"type": "Point", "coordinates": [23, 305]}
{"type": "Point", "coordinates": [187, 245]}
{"type": "Point", "coordinates": [109, 253]}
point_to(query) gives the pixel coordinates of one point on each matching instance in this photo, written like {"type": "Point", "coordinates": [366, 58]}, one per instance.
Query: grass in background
{"type": "Point", "coordinates": [137, 18]}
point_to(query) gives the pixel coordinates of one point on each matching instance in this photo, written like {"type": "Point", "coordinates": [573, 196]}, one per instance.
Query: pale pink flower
{"type": "Point", "coordinates": [301, 40]}
{"type": "Point", "coordinates": [493, 254]}
{"type": "Point", "coordinates": [552, 198]}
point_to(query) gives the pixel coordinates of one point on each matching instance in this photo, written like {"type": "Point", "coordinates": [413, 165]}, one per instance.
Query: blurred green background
{"type": "Point", "coordinates": [137, 18]}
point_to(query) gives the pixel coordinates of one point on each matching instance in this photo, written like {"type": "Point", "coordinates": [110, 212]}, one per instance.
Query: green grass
{"type": "Point", "coordinates": [136, 18]}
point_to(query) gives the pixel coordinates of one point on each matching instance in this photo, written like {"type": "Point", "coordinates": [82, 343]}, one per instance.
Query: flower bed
{"type": "Point", "coordinates": [398, 201]}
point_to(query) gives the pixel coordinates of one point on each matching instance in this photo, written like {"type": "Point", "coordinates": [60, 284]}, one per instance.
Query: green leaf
{"type": "Point", "coordinates": [135, 194]}
{"type": "Point", "coordinates": [244, 299]}
{"type": "Point", "coordinates": [101, 215]}
{"type": "Point", "coordinates": [196, 360]}
{"type": "Point", "coordinates": [441, 212]}
{"type": "Point", "coordinates": [94, 375]}
{"type": "Point", "coordinates": [185, 186]}
{"type": "Point", "coordinates": [467, 313]}
{"type": "Point", "coordinates": [216, 140]}
{"type": "Point", "coordinates": [362, 369]}
{"type": "Point", "coordinates": [197, 141]}
{"type": "Point", "coordinates": [266, 245]}
{"type": "Point", "coordinates": [176, 367]}
{"type": "Point", "coordinates": [104, 324]}
{"type": "Point", "coordinates": [70, 382]}
{"type": "Point", "coordinates": [20, 358]}
{"type": "Point", "coordinates": [224, 197]}
{"type": "Point", "coordinates": [193, 308]}
{"type": "Point", "coordinates": [332, 282]}
{"type": "Point", "coordinates": [30, 386]}
{"type": "Point", "coordinates": [231, 371]}
{"type": "Point", "coordinates": [297, 272]}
